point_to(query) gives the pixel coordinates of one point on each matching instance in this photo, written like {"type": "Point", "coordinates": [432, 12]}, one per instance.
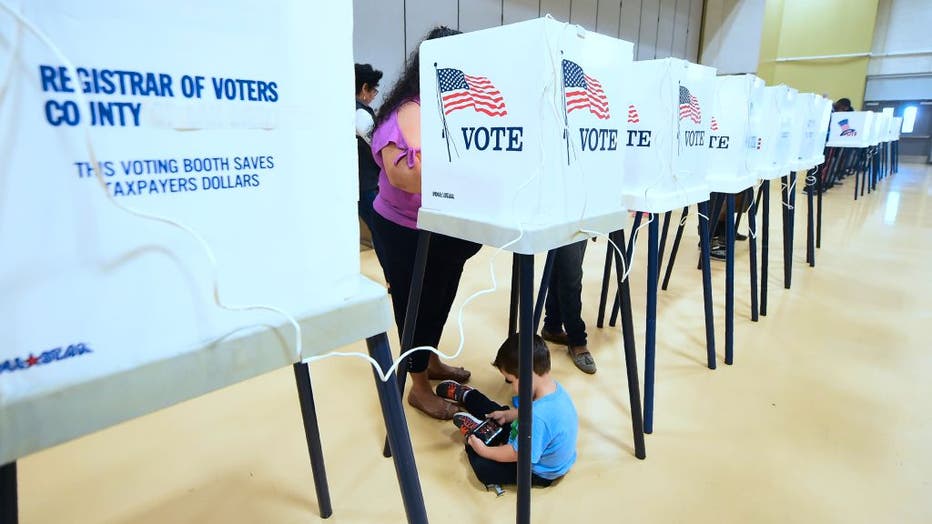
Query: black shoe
{"type": "Point", "coordinates": [739, 237]}
{"type": "Point", "coordinates": [718, 253]}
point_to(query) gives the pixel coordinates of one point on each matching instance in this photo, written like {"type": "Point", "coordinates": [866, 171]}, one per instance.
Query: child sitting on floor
{"type": "Point", "coordinates": [553, 430]}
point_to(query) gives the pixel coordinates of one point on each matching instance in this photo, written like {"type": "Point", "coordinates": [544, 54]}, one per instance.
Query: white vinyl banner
{"type": "Point", "coordinates": [895, 127]}
{"type": "Point", "coordinates": [851, 129]}
{"type": "Point", "coordinates": [523, 123]}
{"type": "Point", "coordinates": [668, 134]}
{"type": "Point", "coordinates": [231, 118]}
{"type": "Point", "coordinates": [790, 129]}
{"type": "Point", "coordinates": [730, 142]}
{"type": "Point", "coordinates": [813, 145]}
{"type": "Point", "coordinates": [879, 128]}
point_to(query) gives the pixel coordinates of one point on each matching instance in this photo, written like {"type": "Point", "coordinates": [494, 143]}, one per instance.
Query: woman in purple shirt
{"type": "Point", "coordinates": [396, 143]}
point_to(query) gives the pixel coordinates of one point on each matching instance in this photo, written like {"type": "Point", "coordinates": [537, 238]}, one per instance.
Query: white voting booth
{"type": "Point", "coordinates": [816, 125]}
{"type": "Point", "coordinates": [791, 131]}
{"type": "Point", "coordinates": [216, 120]}
{"type": "Point", "coordinates": [851, 129]}
{"type": "Point", "coordinates": [529, 139]}
{"type": "Point", "coordinates": [668, 132]}
{"type": "Point", "coordinates": [764, 133]}
{"type": "Point", "coordinates": [879, 129]}
{"type": "Point", "coordinates": [729, 141]}
{"type": "Point", "coordinates": [896, 124]}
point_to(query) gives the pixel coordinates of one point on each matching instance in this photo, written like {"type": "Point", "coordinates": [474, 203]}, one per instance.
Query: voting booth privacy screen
{"type": "Point", "coordinates": [730, 142]}
{"type": "Point", "coordinates": [851, 129]}
{"type": "Point", "coordinates": [668, 130]}
{"type": "Point", "coordinates": [523, 123]}
{"type": "Point", "coordinates": [197, 112]}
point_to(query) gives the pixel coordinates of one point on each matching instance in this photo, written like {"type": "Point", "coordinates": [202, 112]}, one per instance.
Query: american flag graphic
{"type": "Point", "coordinates": [846, 129]}
{"type": "Point", "coordinates": [460, 91]}
{"type": "Point", "coordinates": [583, 91]}
{"type": "Point", "coordinates": [714, 124]}
{"type": "Point", "coordinates": [633, 117]}
{"type": "Point", "coordinates": [689, 106]}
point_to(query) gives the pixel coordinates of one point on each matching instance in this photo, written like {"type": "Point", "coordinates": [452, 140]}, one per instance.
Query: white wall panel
{"type": "Point", "coordinates": [520, 10]}
{"type": "Point", "coordinates": [732, 35]}
{"type": "Point", "coordinates": [479, 14]}
{"type": "Point", "coordinates": [902, 26]}
{"type": "Point", "coordinates": [631, 21]}
{"type": "Point", "coordinates": [584, 13]}
{"type": "Point", "coordinates": [695, 26]}
{"type": "Point", "coordinates": [423, 15]}
{"type": "Point", "coordinates": [647, 36]}
{"type": "Point", "coordinates": [607, 21]}
{"type": "Point", "coordinates": [680, 27]}
{"type": "Point", "coordinates": [379, 39]}
{"type": "Point", "coordinates": [560, 9]}
{"type": "Point", "coordinates": [664, 44]}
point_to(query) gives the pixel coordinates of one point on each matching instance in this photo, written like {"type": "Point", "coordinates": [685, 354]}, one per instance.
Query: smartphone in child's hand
{"type": "Point", "coordinates": [487, 431]}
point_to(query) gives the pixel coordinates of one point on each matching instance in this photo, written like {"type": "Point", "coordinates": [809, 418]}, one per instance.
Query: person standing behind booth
{"type": "Point", "coordinates": [563, 308]}
{"type": "Point", "coordinates": [367, 87]}
{"type": "Point", "coordinates": [396, 149]}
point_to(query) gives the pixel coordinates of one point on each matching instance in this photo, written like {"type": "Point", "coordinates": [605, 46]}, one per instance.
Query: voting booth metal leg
{"type": "Point", "coordinates": [715, 209]}
{"type": "Point", "coordinates": [629, 255]}
{"type": "Point", "coordinates": [543, 289]}
{"type": "Point", "coordinates": [752, 256]}
{"type": "Point", "coordinates": [400, 441]}
{"type": "Point", "coordinates": [302, 376]}
{"type": "Point", "coordinates": [411, 311]}
{"type": "Point", "coordinates": [857, 180]}
{"type": "Point", "coordinates": [810, 217]}
{"type": "Point", "coordinates": [9, 504]}
{"type": "Point", "coordinates": [676, 246]}
{"type": "Point", "coordinates": [650, 336]}
{"type": "Point", "coordinates": [829, 163]}
{"type": "Point", "coordinates": [730, 280]}
{"type": "Point", "coordinates": [606, 276]}
{"type": "Point", "coordinates": [663, 240]}
{"type": "Point", "coordinates": [785, 215]}
{"type": "Point", "coordinates": [705, 259]}
{"type": "Point", "coordinates": [631, 359]}
{"type": "Point", "coordinates": [789, 208]}
{"type": "Point", "coordinates": [764, 246]}
{"type": "Point", "coordinates": [513, 306]}
{"type": "Point", "coordinates": [525, 370]}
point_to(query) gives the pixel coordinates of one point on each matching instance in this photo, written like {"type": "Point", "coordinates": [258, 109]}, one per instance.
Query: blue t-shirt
{"type": "Point", "coordinates": [554, 429]}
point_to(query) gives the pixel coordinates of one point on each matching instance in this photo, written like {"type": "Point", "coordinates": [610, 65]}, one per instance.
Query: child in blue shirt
{"type": "Point", "coordinates": [554, 427]}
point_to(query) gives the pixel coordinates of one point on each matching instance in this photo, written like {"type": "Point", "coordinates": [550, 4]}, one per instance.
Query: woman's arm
{"type": "Point", "coordinates": [403, 168]}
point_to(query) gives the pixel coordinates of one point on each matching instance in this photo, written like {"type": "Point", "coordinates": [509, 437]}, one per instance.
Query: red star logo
{"type": "Point", "coordinates": [32, 360]}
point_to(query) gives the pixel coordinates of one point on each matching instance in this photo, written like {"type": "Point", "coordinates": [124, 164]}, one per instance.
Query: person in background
{"type": "Point", "coordinates": [842, 105]}
{"type": "Point", "coordinates": [396, 143]}
{"type": "Point", "coordinates": [367, 87]}
{"type": "Point", "coordinates": [563, 308]}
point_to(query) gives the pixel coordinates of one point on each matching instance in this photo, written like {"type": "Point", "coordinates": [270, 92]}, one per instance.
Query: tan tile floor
{"type": "Point", "coordinates": [824, 417]}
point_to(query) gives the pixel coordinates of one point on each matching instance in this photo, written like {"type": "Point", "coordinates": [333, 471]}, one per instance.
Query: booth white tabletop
{"type": "Point", "coordinates": [58, 408]}
{"type": "Point", "coordinates": [535, 238]}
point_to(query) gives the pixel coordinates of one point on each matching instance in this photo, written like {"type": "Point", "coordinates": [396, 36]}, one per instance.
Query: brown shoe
{"type": "Point", "coordinates": [557, 338]}
{"type": "Point", "coordinates": [582, 358]}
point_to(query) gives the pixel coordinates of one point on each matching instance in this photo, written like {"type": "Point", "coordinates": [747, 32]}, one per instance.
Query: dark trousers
{"type": "Point", "coordinates": [490, 471]}
{"type": "Point", "coordinates": [396, 247]}
{"type": "Point", "coordinates": [365, 206]}
{"type": "Point", "coordinates": [563, 308]}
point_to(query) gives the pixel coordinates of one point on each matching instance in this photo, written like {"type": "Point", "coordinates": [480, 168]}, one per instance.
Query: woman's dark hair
{"type": "Point", "coordinates": [507, 357]}
{"type": "Point", "coordinates": [366, 75]}
{"type": "Point", "coordinates": [409, 85]}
